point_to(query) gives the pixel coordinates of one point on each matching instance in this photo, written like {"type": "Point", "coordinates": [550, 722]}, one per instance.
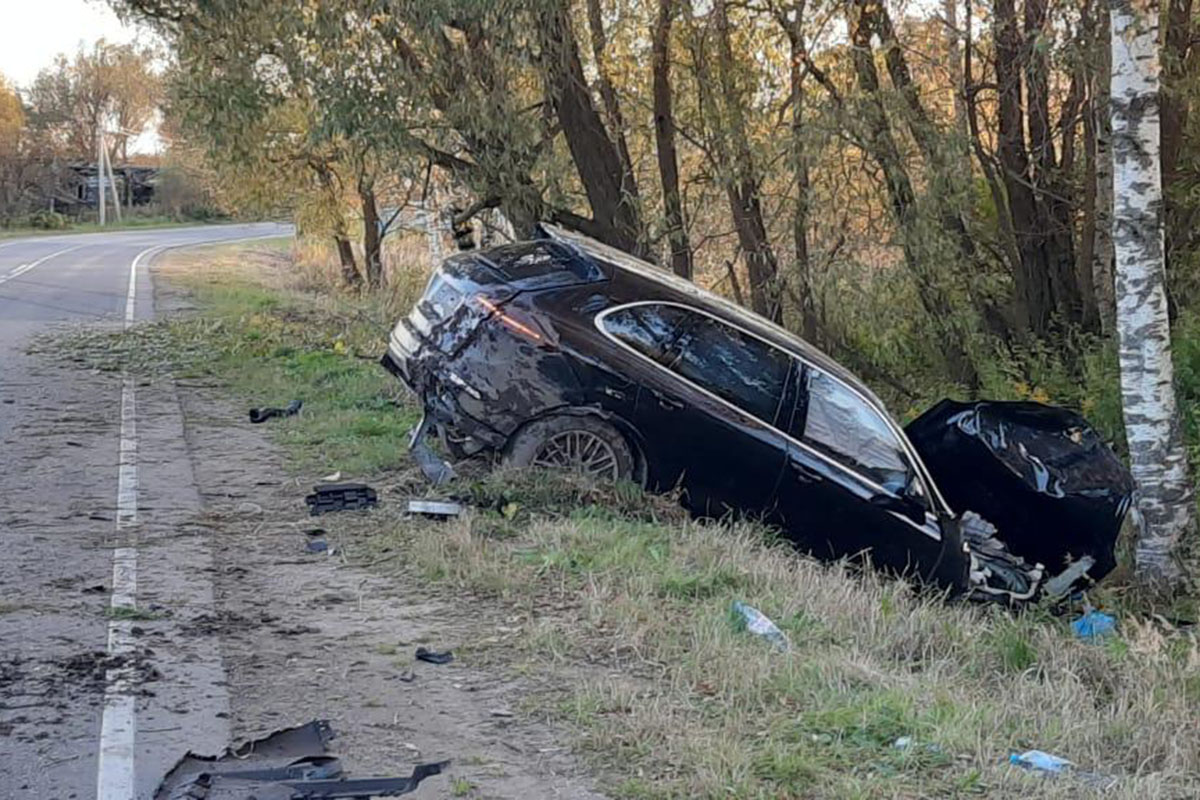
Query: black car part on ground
{"type": "Point", "coordinates": [1053, 489]}
{"type": "Point", "coordinates": [263, 414]}
{"type": "Point", "coordinates": [340, 497]}
{"type": "Point", "coordinates": [289, 764]}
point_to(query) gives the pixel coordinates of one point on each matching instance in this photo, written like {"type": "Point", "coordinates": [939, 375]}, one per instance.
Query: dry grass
{"type": "Point", "coordinates": [627, 606]}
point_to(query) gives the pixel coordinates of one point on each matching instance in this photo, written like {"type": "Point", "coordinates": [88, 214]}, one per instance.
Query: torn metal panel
{"type": "Point", "coordinates": [1042, 475]}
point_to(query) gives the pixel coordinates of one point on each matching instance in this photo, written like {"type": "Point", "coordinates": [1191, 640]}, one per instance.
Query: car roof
{"type": "Point", "coordinates": [685, 291]}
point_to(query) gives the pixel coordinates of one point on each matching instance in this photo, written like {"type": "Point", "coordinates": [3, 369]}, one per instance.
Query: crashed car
{"type": "Point", "coordinates": [564, 353]}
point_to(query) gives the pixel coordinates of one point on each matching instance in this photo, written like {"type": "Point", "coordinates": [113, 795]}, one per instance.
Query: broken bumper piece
{"type": "Point", "coordinates": [289, 764]}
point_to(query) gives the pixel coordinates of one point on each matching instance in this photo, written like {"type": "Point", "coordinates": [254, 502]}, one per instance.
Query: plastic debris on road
{"type": "Point", "coordinates": [760, 625]}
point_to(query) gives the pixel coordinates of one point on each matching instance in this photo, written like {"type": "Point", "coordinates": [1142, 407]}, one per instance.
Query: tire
{"type": "Point", "coordinates": [575, 442]}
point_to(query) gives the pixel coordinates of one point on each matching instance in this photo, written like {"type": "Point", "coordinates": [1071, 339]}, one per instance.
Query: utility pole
{"type": "Point", "coordinates": [112, 185]}
{"type": "Point", "coordinates": [100, 171]}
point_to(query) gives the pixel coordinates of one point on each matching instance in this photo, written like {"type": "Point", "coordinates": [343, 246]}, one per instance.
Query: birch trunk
{"type": "Point", "coordinates": [1158, 458]}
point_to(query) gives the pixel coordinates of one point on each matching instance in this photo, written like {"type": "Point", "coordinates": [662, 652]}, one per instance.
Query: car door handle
{"type": "Point", "coordinates": [802, 472]}
{"type": "Point", "coordinates": [669, 403]}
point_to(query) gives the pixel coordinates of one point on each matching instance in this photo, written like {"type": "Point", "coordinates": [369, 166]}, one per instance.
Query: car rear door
{"type": "Point", "coordinates": [707, 411]}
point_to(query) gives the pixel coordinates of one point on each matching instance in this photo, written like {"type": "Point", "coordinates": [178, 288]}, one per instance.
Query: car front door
{"type": "Point", "coordinates": [849, 487]}
{"type": "Point", "coordinates": [707, 414]}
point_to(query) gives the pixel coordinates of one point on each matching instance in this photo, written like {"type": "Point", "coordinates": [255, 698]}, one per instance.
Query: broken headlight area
{"type": "Point", "coordinates": [1041, 497]}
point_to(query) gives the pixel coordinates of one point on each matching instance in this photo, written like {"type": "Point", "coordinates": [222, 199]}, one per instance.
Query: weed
{"type": "Point", "coordinates": [131, 613]}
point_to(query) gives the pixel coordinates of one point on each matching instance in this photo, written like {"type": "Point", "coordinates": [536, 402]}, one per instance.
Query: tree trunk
{"type": "Point", "coordinates": [1034, 302]}
{"type": "Point", "coordinates": [1177, 60]}
{"type": "Point", "coordinates": [1053, 210]}
{"type": "Point", "coordinates": [595, 156]}
{"type": "Point", "coordinates": [372, 243]}
{"type": "Point", "coordinates": [664, 140]}
{"type": "Point", "coordinates": [612, 108]}
{"type": "Point", "coordinates": [742, 186]}
{"type": "Point", "coordinates": [954, 68]}
{"type": "Point", "coordinates": [1103, 257]}
{"type": "Point", "coordinates": [802, 277]}
{"type": "Point", "coordinates": [1157, 455]}
{"type": "Point", "coordinates": [881, 145]}
{"type": "Point", "coordinates": [350, 274]}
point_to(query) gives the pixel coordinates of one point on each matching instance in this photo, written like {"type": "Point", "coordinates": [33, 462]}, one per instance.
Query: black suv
{"type": "Point", "coordinates": [565, 353]}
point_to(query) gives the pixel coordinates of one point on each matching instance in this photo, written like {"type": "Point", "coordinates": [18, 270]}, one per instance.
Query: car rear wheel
{"type": "Point", "coordinates": [580, 444]}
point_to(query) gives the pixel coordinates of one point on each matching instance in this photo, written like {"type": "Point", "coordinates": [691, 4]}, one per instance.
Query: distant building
{"type": "Point", "coordinates": [80, 183]}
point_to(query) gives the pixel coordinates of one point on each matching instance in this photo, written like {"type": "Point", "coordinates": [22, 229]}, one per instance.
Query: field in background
{"type": "Point", "coordinates": [620, 606]}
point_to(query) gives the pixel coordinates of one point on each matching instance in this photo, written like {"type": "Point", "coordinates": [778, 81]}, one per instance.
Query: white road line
{"type": "Point", "coordinates": [115, 774]}
{"type": "Point", "coordinates": [115, 770]}
{"type": "Point", "coordinates": [23, 268]}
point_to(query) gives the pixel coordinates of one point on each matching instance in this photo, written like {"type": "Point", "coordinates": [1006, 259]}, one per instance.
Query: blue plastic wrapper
{"type": "Point", "coordinates": [1094, 625]}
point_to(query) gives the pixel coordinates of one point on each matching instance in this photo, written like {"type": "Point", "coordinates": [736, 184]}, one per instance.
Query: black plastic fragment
{"type": "Point", "coordinates": [263, 414]}
{"type": "Point", "coordinates": [340, 497]}
{"type": "Point", "coordinates": [431, 657]}
{"type": "Point", "coordinates": [290, 764]}
{"type": "Point", "coordinates": [366, 787]}
{"type": "Point", "coordinates": [1042, 475]}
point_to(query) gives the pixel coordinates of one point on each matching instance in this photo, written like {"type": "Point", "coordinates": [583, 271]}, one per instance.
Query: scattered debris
{"type": "Point", "coordinates": [98, 588]}
{"type": "Point", "coordinates": [316, 546]}
{"type": "Point", "coordinates": [434, 658]}
{"type": "Point", "coordinates": [1094, 625]}
{"type": "Point", "coordinates": [341, 497]}
{"type": "Point", "coordinates": [440, 509]}
{"type": "Point", "coordinates": [263, 414]}
{"type": "Point", "coordinates": [1040, 761]}
{"type": "Point", "coordinates": [333, 477]}
{"type": "Point", "coordinates": [289, 764]}
{"type": "Point", "coordinates": [908, 743]}
{"type": "Point", "coordinates": [760, 625]}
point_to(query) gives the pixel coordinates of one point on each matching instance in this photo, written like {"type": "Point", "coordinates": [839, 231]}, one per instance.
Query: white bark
{"type": "Point", "coordinates": [1158, 458]}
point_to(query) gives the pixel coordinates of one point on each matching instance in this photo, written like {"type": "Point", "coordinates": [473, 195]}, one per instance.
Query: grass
{"type": "Point", "coordinates": [621, 605]}
{"type": "Point", "coordinates": [671, 697]}
{"type": "Point", "coordinates": [130, 613]}
{"type": "Point", "coordinates": [127, 223]}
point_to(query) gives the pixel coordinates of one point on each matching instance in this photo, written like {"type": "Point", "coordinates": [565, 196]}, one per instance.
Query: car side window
{"type": "Point", "coordinates": [650, 329]}
{"type": "Point", "coordinates": [852, 432]}
{"type": "Point", "coordinates": [735, 366]}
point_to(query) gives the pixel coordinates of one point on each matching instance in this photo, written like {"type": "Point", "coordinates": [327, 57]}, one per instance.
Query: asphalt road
{"type": "Point", "coordinates": [97, 694]}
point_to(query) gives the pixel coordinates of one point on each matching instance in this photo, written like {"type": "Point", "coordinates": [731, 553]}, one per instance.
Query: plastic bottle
{"type": "Point", "coordinates": [760, 625]}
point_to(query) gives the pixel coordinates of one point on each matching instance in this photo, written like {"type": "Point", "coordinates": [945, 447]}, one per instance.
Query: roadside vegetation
{"type": "Point", "coordinates": [621, 606]}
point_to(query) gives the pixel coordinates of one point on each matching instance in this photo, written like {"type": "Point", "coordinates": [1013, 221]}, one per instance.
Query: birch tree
{"type": "Point", "coordinates": [1158, 458]}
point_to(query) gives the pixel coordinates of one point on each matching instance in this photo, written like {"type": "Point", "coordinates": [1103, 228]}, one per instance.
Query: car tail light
{"type": "Point", "coordinates": [513, 319]}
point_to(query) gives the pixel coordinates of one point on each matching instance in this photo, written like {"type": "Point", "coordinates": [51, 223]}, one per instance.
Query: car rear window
{"type": "Point", "coordinates": [735, 366]}
{"type": "Point", "coordinates": [535, 259]}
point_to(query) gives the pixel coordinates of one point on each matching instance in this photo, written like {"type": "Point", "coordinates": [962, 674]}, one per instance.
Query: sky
{"type": "Point", "coordinates": [35, 31]}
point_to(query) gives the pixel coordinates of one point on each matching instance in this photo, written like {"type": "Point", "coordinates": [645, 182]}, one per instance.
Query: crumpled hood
{"type": "Point", "coordinates": [1041, 474]}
